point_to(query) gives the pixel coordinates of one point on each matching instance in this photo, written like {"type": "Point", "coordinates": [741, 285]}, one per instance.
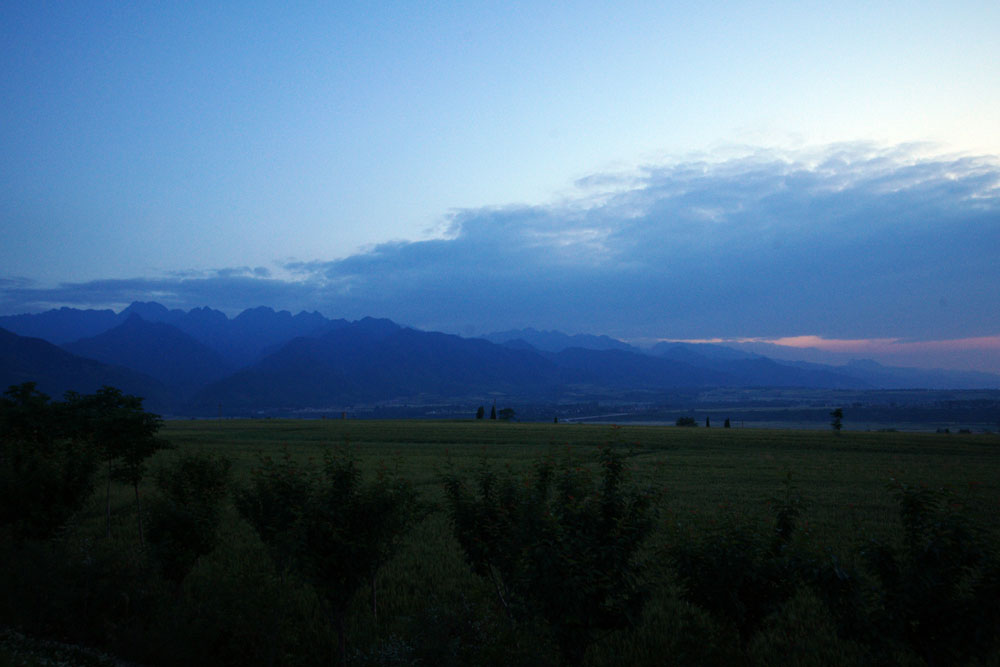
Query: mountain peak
{"type": "Point", "coordinates": [147, 310]}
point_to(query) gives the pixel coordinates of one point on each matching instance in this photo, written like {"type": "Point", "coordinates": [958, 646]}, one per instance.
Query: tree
{"type": "Point", "coordinates": [274, 505]}
{"type": "Point", "coordinates": [124, 433]}
{"type": "Point", "coordinates": [685, 421]}
{"type": "Point", "coordinates": [481, 412]}
{"type": "Point", "coordinates": [184, 518]}
{"type": "Point", "coordinates": [708, 423]}
{"type": "Point", "coordinates": [493, 412]}
{"type": "Point", "coordinates": [940, 579]}
{"type": "Point", "coordinates": [838, 420]}
{"type": "Point", "coordinates": [506, 414]}
{"type": "Point", "coordinates": [725, 424]}
{"type": "Point", "coordinates": [46, 472]}
{"type": "Point", "coordinates": [334, 529]}
{"type": "Point", "coordinates": [558, 546]}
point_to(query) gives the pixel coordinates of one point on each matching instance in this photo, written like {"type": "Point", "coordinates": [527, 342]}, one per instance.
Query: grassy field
{"type": "Point", "coordinates": [845, 477]}
{"type": "Point", "coordinates": [435, 610]}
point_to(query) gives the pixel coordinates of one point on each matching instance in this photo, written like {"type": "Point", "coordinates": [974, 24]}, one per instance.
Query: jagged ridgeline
{"type": "Point", "coordinates": [199, 361]}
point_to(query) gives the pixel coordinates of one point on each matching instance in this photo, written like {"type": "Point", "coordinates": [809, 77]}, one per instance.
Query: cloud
{"type": "Point", "coordinates": [851, 241]}
{"type": "Point", "coordinates": [981, 353]}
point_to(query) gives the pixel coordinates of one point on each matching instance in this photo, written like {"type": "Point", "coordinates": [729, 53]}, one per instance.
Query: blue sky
{"type": "Point", "coordinates": [647, 170]}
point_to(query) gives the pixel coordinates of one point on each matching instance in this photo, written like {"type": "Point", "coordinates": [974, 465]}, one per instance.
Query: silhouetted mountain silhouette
{"type": "Point", "coordinates": [310, 361]}
{"type": "Point", "coordinates": [159, 350]}
{"type": "Point", "coordinates": [56, 371]}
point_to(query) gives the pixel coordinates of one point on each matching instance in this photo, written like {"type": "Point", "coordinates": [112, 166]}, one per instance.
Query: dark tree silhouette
{"type": "Point", "coordinates": [837, 421]}
{"type": "Point", "coordinates": [46, 469]}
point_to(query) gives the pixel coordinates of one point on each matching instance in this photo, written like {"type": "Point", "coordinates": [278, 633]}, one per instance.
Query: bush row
{"type": "Point", "coordinates": [575, 565]}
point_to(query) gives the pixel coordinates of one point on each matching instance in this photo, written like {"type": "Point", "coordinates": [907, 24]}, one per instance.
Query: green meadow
{"type": "Point", "coordinates": [845, 478]}
{"type": "Point", "coordinates": [235, 607]}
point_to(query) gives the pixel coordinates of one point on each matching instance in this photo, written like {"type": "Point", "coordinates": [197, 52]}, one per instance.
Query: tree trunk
{"type": "Point", "coordinates": [374, 601]}
{"type": "Point", "coordinates": [138, 511]}
{"type": "Point", "coordinates": [339, 618]}
{"type": "Point", "coordinates": [107, 499]}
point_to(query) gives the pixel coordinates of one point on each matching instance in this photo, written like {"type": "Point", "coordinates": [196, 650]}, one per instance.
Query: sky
{"type": "Point", "coordinates": [826, 175]}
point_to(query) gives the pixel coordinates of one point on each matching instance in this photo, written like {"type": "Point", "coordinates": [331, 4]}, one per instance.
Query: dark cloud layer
{"type": "Point", "coordinates": [851, 242]}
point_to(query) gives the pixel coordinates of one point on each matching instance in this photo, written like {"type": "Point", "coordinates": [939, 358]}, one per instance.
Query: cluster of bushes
{"type": "Point", "coordinates": [932, 594]}
{"type": "Point", "coordinates": [572, 564]}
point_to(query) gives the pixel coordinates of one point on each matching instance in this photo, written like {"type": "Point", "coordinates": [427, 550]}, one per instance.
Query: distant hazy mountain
{"type": "Point", "coordinates": [259, 331]}
{"type": "Point", "coordinates": [556, 341]}
{"type": "Point", "coordinates": [894, 377]}
{"type": "Point", "coordinates": [377, 360]}
{"type": "Point", "coordinates": [61, 326]}
{"type": "Point", "coordinates": [623, 369]}
{"type": "Point", "coordinates": [309, 361]}
{"type": "Point", "coordinates": [745, 369]}
{"type": "Point", "coordinates": [56, 371]}
{"type": "Point", "coordinates": [241, 340]}
{"type": "Point", "coordinates": [159, 350]}
{"type": "Point", "coordinates": [698, 352]}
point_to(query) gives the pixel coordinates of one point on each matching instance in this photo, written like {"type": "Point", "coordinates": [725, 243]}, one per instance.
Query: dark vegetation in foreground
{"type": "Point", "coordinates": [436, 543]}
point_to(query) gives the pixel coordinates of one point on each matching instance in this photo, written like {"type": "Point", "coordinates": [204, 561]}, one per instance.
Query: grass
{"type": "Point", "coordinates": [845, 477]}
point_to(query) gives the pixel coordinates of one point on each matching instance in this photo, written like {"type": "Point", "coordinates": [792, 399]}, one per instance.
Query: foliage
{"type": "Point", "coordinates": [743, 574]}
{"type": "Point", "coordinates": [116, 425]}
{"type": "Point", "coordinates": [184, 518]}
{"type": "Point", "coordinates": [732, 573]}
{"type": "Point", "coordinates": [125, 430]}
{"type": "Point", "coordinates": [558, 546]}
{"type": "Point", "coordinates": [837, 420]}
{"type": "Point", "coordinates": [274, 505]}
{"type": "Point", "coordinates": [45, 473]}
{"type": "Point", "coordinates": [480, 412]}
{"type": "Point", "coordinates": [940, 584]}
{"type": "Point", "coordinates": [334, 529]}
{"type": "Point", "coordinates": [686, 421]}
{"type": "Point", "coordinates": [232, 608]}
{"type": "Point", "coordinates": [506, 414]}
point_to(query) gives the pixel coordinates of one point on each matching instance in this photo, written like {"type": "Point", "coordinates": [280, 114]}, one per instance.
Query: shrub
{"type": "Point", "coordinates": [274, 504]}
{"type": "Point", "coordinates": [333, 529]}
{"type": "Point", "coordinates": [940, 584]}
{"type": "Point", "coordinates": [558, 546]}
{"type": "Point", "coordinates": [184, 519]}
{"type": "Point", "coordinates": [743, 574]}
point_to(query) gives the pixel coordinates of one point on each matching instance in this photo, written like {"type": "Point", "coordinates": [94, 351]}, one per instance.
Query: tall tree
{"type": "Point", "coordinates": [45, 472]}
{"type": "Point", "coordinates": [335, 529]}
{"type": "Point", "coordinates": [185, 516]}
{"type": "Point", "coordinates": [124, 434]}
{"type": "Point", "coordinates": [558, 546]}
{"type": "Point", "coordinates": [837, 421]}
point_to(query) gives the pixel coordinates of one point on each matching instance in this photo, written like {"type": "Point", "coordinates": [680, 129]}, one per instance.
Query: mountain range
{"type": "Point", "coordinates": [265, 360]}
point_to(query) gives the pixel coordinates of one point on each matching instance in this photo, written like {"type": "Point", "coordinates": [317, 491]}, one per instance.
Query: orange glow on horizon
{"type": "Point", "coordinates": [856, 345]}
